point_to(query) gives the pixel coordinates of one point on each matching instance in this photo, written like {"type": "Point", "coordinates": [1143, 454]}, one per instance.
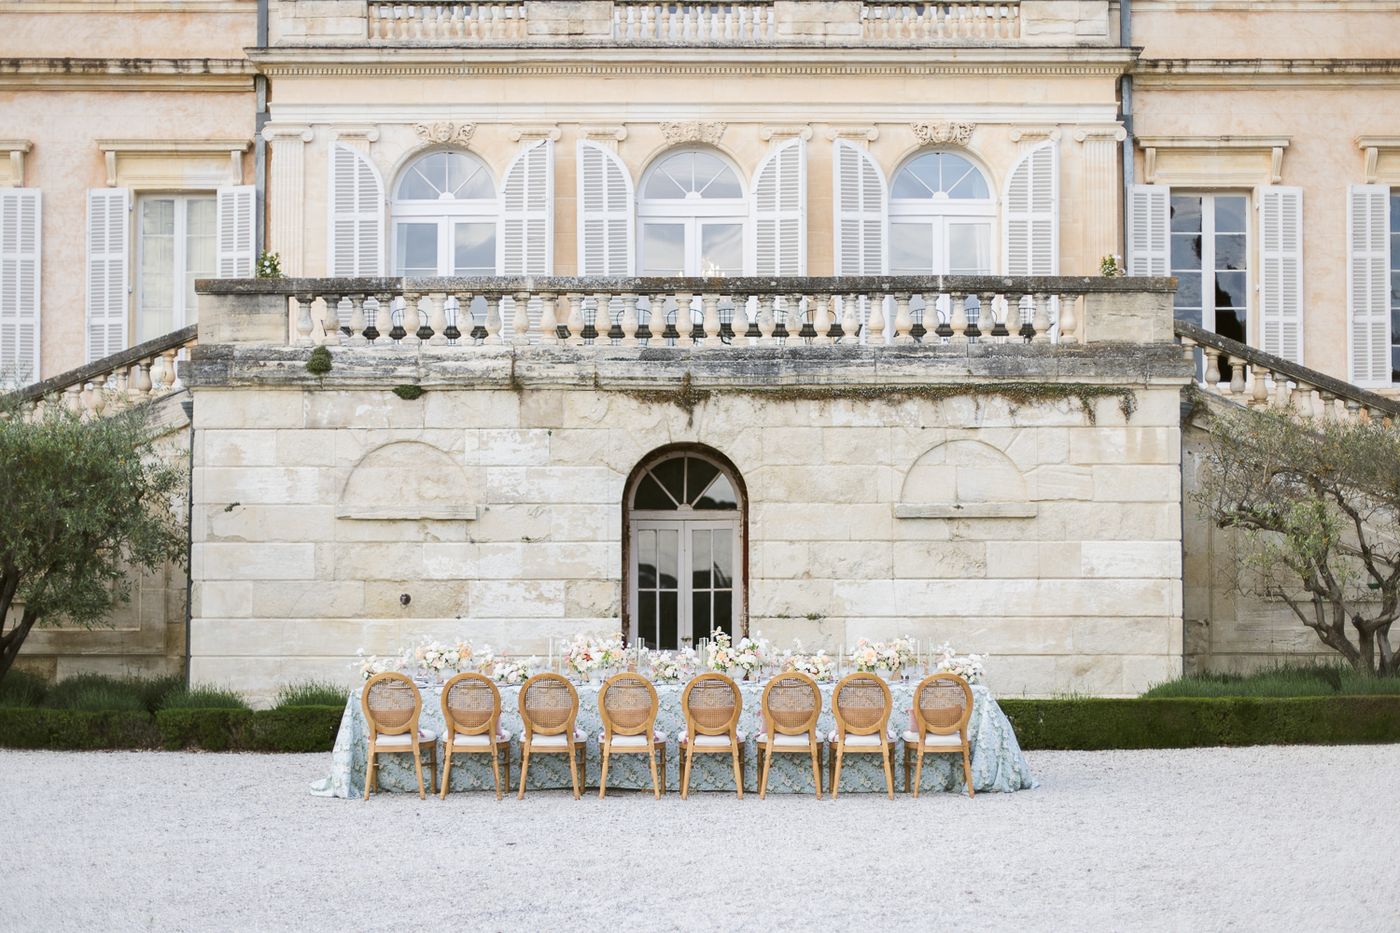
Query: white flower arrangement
{"type": "Point", "coordinates": [720, 654]}
{"type": "Point", "coordinates": [512, 673]}
{"type": "Point", "coordinates": [889, 656]}
{"type": "Point", "coordinates": [752, 654]}
{"type": "Point", "coordinates": [371, 665]}
{"type": "Point", "coordinates": [818, 665]}
{"type": "Point", "coordinates": [970, 667]}
{"type": "Point", "coordinates": [673, 666]}
{"type": "Point", "coordinates": [588, 653]}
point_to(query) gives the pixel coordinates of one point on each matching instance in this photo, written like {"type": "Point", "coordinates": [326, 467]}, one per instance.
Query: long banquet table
{"type": "Point", "coordinates": [997, 761]}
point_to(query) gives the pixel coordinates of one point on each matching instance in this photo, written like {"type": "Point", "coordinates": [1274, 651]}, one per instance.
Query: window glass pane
{"type": "Point", "coordinates": [663, 249]}
{"type": "Point", "coordinates": [156, 314]}
{"type": "Point", "coordinates": [724, 612]}
{"type": "Point", "coordinates": [646, 619]}
{"type": "Point", "coordinates": [671, 475]}
{"type": "Point", "coordinates": [1230, 290]}
{"type": "Point", "coordinates": [418, 249]}
{"type": "Point", "coordinates": [969, 249]}
{"type": "Point", "coordinates": [651, 496]}
{"type": "Point", "coordinates": [668, 561]}
{"type": "Point", "coordinates": [446, 176]}
{"type": "Point", "coordinates": [1230, 251]}
{"type": "Point", "coordinates": [911, 249]}
{"type": "Point", "coordinates": [1188, 291]}
{"type": "Point", "coordinates": [1394, 219]}
{"type": "Point", "coordinates": [701, 559]}
{"type": "Point", "coordinates": [720, 495]}
{"type": "Point", "coordinates": [700, 615]}
{"type": "Point", "coordinates": [1186, 214]}
{"type": "Point", "coordinates": [201, 245]}
{"type": "Point", "coordinates": [669, 610]}
{"type": "Point", "coordinates": [1186, 251]}
{"type": "Point", "coordinates": [723, 558]}
{"type": "Point", "coordinates": [691, 175]}
{"type": "Point", "coordinates": [721, 249]}
{"type": "Point", "coordinates": [474, 249]}
{"type": "Point", "coordinates": [699, 473]}
{"type": "Point", "coordinates": [646, 559]}
{"type": "Point", "coordinates": [940, 175]}
{"type": "Point", "coordinates": [1230, 324]}
{"type": "Point", "coordinates": [1230, 214]}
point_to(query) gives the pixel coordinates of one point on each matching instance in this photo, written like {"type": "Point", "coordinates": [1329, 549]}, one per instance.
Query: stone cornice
{"type": "Point", "coordinates": [127, 74]}
{"type": "Point", "coordinates": [515, 61]}
{"type": "Point", "coordinates": [1228, 73]}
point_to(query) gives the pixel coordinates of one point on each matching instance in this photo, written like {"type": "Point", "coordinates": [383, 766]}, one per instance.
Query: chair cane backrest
{"type": "Point", "coordinates": [471, 705]}
{"type": "Point", "coordinates": [391, 703]}
{"type": "Point", "coordinates": [548, 705]}
{"type": "Point", "coordinates": [627, 703]}
{"type": "Point", "coordinates": [861, 704]}
{"type": "Point", "coordinates": [792, 701]}
{"type": "Point", "coordinates": [942, 704]}
{"type": "Point", "coordinates": [712, 703]}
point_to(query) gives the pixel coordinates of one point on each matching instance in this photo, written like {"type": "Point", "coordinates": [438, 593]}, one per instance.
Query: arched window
{"type": "Point", "coordinates": [941, 212]}
{"type": "Point", "coordinates": [692, 216]}
{"type": "Point", "coordinates": [685, 547]}
{"type": "Point", "coordinates": [445, 215]}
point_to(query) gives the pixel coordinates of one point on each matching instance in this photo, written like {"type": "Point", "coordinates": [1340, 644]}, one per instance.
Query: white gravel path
{"type": "Point", "coordinates": [1214, 839]}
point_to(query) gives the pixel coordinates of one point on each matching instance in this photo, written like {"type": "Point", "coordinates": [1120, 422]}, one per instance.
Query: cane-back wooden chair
{"type": "Point", "coordinates": [712, 704]}
{"type": "Point", "coordinates": [792, 702]}
{"type": "Point", "coordinates": [549, 709]}
{"type": "Point", "coordinates": [392, 706]}
{"type": "Point", "coordinates": [627, 704]}
{"type": "Point", "coordinates": [942, 709]}
{"type": "Point", "coordinates": [861, 703]}
{"type": "Point", "coordinates": [471, 712]}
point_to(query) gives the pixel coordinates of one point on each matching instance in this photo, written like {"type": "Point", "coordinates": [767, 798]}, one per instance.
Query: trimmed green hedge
{"type": "Point", "coordinates": [290, 729]}
{"type": "Point", "coordinates": [1040, 724]}
{"type": "Point", "coordinates": [1203, 721]}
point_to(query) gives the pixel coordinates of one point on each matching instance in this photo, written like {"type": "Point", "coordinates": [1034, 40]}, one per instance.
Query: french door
{"type": "Point", "coordinates": [685, 580]}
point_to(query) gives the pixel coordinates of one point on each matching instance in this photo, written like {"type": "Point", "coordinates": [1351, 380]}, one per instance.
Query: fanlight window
{"type": "Point", "coordinates": [692, 175]}
{"type": "Point", "coordinates": [684, 483]}
{"type": "Point", "coordinates": [940, 176]}
{"type": "Point", "coordinates": [447, 176]}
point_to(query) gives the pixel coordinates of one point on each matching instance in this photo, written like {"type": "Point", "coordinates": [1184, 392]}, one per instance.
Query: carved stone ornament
{"type": "Point", "coordinates": [692, 131]}
{"type": "Point", "coordinates": [944, 133]}
{"type": "Point", "coordinates": [445, 131]}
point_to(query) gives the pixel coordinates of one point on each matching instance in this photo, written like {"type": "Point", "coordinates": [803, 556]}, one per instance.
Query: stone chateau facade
{"type": "Point", "coordinates": [779, 316]}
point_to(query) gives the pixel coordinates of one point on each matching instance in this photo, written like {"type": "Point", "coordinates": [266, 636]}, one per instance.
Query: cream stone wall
{"type": "Point", "coordinates": [1083, 596]}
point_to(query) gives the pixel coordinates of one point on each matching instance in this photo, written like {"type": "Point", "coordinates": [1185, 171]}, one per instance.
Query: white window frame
{"type": "Point", "coordinates": [445, 213]}
{"type": "Point", "coordinates": [694, 214]}
{"type": "Point", "coordinates": [940, 214]}
{"type": "Point", "coordinates": [1251, 249]}
{"type": "Point", "coordinates": [179, 313]}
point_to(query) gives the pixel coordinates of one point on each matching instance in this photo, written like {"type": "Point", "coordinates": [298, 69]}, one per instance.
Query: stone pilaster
{"type": "Point", "coordinates": [1101, 220]}
{"type": "Point", "coordinates": [286, 193]}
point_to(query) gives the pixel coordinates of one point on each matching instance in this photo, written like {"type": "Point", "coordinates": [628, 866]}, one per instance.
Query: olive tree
{"type": "Point", "coordinates": [1318, 505]}
{"type": "Point", "coordinates": [84, 506]}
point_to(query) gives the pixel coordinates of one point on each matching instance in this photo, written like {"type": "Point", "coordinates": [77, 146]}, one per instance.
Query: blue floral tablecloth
{"type": "Point", "coordinates": [997, 761]}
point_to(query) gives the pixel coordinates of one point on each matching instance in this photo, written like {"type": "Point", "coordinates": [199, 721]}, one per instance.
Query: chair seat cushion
{"type": "Point", "coordinates": [477, 741]}
{"type": "Point", "coordinates": [404, 739]}
{"type": "Point", "coordinates": [712, 741]}
{"type": "Point", "coordinates": [858, 741]}
{"type": "Point", "coordinates": [786, 741]}
{"type": "Point", "coordinates": [933, 739]}
{"type": "Point", "coordinates": [556, 741]}
{"type": "Point", "coordinates": [636, 741]}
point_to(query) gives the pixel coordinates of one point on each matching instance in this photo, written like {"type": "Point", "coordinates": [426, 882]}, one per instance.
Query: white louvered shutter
{"type": "Point", "coordinates": [1281, 281]}
{"type": "Point", "coordinates": [108, 226]}
{"type": "Point", "coordinates": [860, 212]}
{"type": "Point", "coordinates": [20, 210]}
{"type": "Point", "coordinates": [780, 211]}
{"type": "Point", "coordinates": [356, 229]}
{"type": "Point", "coordinates": [526, 241]}
{"type": "Point", "coordinates": [1368, 283]}
{"type": "Point", "coordinates": [1149, 230]}
{"type": "Point", "coordinates": [1032, 245]}
{"type": "Point", "coordinates": [606, 229]}
{"type": "Point", "coordinates": [237, 213]}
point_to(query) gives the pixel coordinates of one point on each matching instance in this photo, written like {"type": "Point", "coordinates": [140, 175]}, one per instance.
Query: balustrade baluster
{"type": "Point", "coordinates": [629, 320]}
{"type": "Point", "coordinates": [520, 320]}
{"type": "Point", "coordinates": [1040, 322]}
{"type": "Point", "coordinates": [740, 322]}
{"type": "Point", "coordinates": [821, 319]}
{"type": "Point", "coordinates": [709, 302]}
{"type": "Point", "coordinates": [357, 321]}
{"type": "Point", "coordinates": [685, 325]}
{"type": "Point", "coordinates": [957, 315]}
{"type": "Point", "coordinates": [575, 323]}
{"type": "Point", "coordinates": [412, 320]}
{"type": "Point", "coordinates": [850, 320]}
{"type": "Point", "coordinates": [767, 321]}
{"type": "Point", "coordinates": [903, 321]}
{"type": "Point", "coordinates": [123, 378]}
{"type": "Point", "coordinates": [1236, 376]}
{"type": "Point", "coordinates": [303, 320]}
{"type": "Point", "coordinates": [169, 374]}
{"type": "Point", "coordinates": [1069, 323]}
{"type": "Point", "coordinates": [493, 320]}
{"type": "Point", "coordinates": [1283, 393]}
{"type": "Point", "coordinates": [1212, 374]}
{"type": "Point", "coordinates": [875, 323]}
{"type": "Point", "coordinates": [549, 324]}
{"type": "Point", "coordinates": [1259, 391]}
{"type": "Point", "coordinates": [437, 318]}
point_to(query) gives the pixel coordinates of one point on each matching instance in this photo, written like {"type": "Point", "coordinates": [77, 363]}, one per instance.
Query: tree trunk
{"type": "Point", "coordinates": [12, 640]}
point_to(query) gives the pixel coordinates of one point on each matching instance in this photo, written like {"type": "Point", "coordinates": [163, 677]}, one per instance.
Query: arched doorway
{"type": "Point", "coordinates": [684, 521]}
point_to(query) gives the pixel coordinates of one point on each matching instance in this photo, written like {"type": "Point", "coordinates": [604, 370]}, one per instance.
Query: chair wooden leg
{"type": "Point", "coordinates": [418, 768]}
{"type": "Point", "coordinates": [663, 770]}
{"type": "Point", "coordinates": [524, 769]}
{"type": "Point", "coordinates": [817, 769]}
{"type": "Point", "coordinates": [369, 772]}
{"type": "Point", "coordinates": [651, 760]}
{"type": "Point", "coordinates": [836, 773]}
{"type": "Point", "coordinates": [495, 770]}
{"type": "Point", "coordinates": [447, 774]}
{"type": "Point", "coordinates": [573, 770]}
{"type": "Point", "coordinates": [603, 777]}
{"type": "Point", "coordinates": [689, 755]}
{"type": "Point", "coordinates": [919, 771]}
{"type": "Point", "coordinates": [765, 761]}
{"type": "Point", "coordinates": [432, 768]}
{"type": "Point", "coordinates": [906, 768]}
{"type": "Point", "coordinates": [505, 754]}
{"type": "Point", "coordinates": [967, 770]}
{"type": "Point", "coordinates": [738, 772]}
{"type": "Point", "coordinates": [889, 770]}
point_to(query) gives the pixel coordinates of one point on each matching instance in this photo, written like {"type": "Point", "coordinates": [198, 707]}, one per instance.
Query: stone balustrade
{"type": "Point", "coordinates": [144, 373]}
{"type": "Point", "coordinates": [1261, 380]}
{"type": "Point", "coordinates": [747, 24]}
{"type": "Point", "coordinates": [729, 313]}
{"type": "Point", "coordinates": [933, 22]}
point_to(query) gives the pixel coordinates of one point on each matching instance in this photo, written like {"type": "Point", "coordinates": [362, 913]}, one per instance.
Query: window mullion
{"type": "Point", "coordinates": [685, 624]}
{"type": "Point", "coordinates": [180, 257]}
{"type": "Point", "coordinates": [1208, 262]}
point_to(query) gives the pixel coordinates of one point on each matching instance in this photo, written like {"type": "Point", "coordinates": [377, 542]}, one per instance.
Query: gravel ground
{"type": "Point", "coordinates": [1240, 839]}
